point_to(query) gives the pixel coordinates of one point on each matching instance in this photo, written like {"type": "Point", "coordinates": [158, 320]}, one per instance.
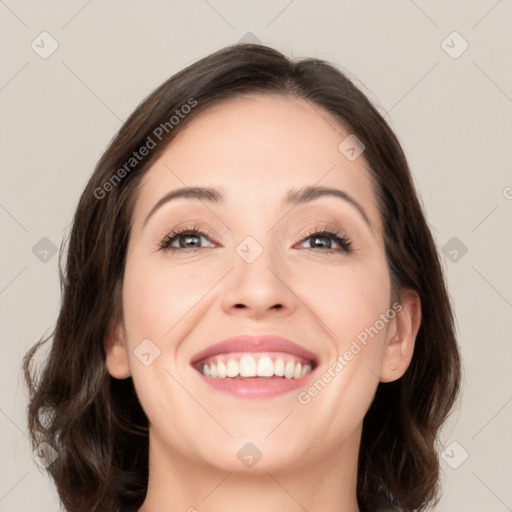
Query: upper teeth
{"type": "Point", "coordinates": [249, 366]}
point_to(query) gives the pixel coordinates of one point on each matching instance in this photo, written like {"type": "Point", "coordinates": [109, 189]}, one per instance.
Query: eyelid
{"type": "Point", "coordinates": [326, 229]}
{"type": "Point", "coordinates": [185, 229]}
{"type": "Point", "coordinates": [329, 229]}
{"type": "Point", "coordinates": [316, 227]}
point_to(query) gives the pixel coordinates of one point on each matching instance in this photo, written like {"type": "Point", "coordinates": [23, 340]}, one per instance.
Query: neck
{"type": "Point", "coordinates": [326, 482]}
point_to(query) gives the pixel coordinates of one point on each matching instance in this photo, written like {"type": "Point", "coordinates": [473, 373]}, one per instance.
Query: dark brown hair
{"type": "Point", "coordinates": [95, 422]}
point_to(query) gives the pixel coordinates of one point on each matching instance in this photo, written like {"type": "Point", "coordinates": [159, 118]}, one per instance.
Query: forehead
{"type": "Point", "coordinates": [255, 148]}
{"type": "Point", "coordinates": [270, 128]}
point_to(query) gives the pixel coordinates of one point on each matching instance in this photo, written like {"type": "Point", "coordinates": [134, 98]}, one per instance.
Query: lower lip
{"type": "Point", "coordinates": [255, 388]}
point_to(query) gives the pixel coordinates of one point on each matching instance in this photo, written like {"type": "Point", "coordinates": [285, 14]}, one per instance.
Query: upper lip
{"type": "Point", "coordinates": [246, 343]}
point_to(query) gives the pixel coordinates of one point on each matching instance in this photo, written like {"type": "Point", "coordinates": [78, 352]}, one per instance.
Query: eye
{"type": "Point", "coordinates": [320, 239]}
{"type": "Point", "coordinates": [186, 238]}
{"type": "Point", "coordinates": [323, 239]}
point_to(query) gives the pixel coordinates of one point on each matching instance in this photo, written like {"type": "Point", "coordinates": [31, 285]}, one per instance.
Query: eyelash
{"type": "Point", "coordinates": [165, 244]}
{"type": "Point", "coordinates": [340, 238]}
{"type": "Point", "coordinates": [318, 232]}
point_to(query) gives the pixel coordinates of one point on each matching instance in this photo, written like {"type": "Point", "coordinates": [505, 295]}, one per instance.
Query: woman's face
{"type": "Point", "coordinates": [261, 268]}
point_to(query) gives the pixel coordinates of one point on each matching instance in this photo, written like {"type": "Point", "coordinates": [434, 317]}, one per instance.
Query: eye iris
{"type": "Point", "coordinates": [322, 245]}
{"type": "Point", "coordinates": [189, 240]}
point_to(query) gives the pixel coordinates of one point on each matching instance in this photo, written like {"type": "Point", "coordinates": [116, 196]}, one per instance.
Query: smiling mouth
{"type": "Point", "coordinates": [255, 366]}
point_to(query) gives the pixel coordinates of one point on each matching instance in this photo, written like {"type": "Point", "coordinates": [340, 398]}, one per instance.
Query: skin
{"type": "Point", "coordinates": [254, 149]}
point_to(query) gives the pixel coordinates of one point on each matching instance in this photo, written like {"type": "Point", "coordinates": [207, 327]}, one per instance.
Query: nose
{"type": "Point", "coordinates": [259, 289]}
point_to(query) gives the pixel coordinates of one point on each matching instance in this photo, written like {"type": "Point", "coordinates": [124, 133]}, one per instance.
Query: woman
{"type": "Point", "coordinates": [254, 314]}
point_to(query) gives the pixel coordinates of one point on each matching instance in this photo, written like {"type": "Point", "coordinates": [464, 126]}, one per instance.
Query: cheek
{"type": "Point", "coordinates": [156, 297]}
{"type": "Point", "coordinates": [346, 296]}
{"type": "Point", "coordinates": [347, 299]}
{"type": "Point", "coordinates": [350, 302]}
{"type": "Point", "coordinates": [164, 303]}
{"type": "Point", "coordinates": [155, 300]}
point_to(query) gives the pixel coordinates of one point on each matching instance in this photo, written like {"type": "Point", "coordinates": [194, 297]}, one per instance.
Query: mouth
{"type": "Point", "coordinates": [239, 365]}
{"type": "Point", "coordinates": [255, 367]}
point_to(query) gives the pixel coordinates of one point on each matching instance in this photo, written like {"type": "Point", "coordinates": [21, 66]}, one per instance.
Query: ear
{"type": "Point", "coordinates": [399, 347]}
{"type": "Point", "coordinates": [116, 356]}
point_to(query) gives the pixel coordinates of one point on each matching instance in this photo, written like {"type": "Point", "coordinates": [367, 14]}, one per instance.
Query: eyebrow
{"type": "Point", "coordinates": [306, 194]}
{"type": "Point", "coordinates": [293, 197]}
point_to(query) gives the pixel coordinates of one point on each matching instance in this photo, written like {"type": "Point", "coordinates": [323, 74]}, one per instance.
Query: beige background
{"type": "Point", "coordinates": [452, 115]}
